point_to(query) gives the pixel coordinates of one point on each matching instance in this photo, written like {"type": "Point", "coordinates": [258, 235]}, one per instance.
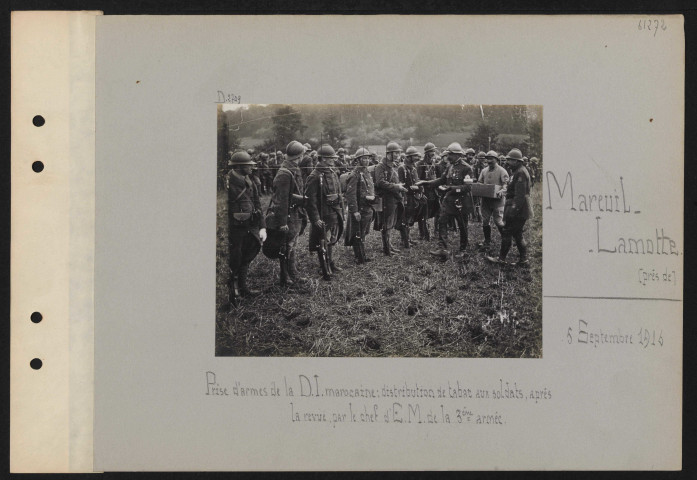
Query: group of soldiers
{"type": "Point", "coordinates": [342, 196]}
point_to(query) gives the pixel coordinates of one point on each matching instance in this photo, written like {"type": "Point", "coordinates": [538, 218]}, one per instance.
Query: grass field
{"type": "Point", "coordinates": [411, 305]}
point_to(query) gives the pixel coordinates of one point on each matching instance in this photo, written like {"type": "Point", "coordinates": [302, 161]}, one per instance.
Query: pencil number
{"type": "Point", "coordinates": [652, 25]}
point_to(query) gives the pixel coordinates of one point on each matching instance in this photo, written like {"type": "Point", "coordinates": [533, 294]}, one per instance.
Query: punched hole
{"type": "Point", "coordinates": [37, 166]}
{"type": "Point", "coordinates": [36, 317]}
{"type": "Point", "coordinates": [38, 121]}
{"type": "Point", "coordinates": [36, 363]}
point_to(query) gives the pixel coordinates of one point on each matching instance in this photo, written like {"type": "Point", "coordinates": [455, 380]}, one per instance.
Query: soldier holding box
{"type": "Point", "coordinates": [492, 208]}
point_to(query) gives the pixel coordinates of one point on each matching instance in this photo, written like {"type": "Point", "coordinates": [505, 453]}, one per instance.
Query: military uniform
{"type": "Point", "coordinates": [517, 211]}
{"type": "Point", "coordinates": [415, 203]}
{"type": "Point", "coordinates": [426, 170]}
{"type": "Point", "coordinates": [324, 202]}
{"type": "Point", "coordinates": [307, 164]}
{"type": "Point", "coordinates": [359, 185]}
{"type": "Point", "coordinates": [283, 211]}
{"type": "Point", "coordinates": [457, 202]}
{"type": "Point", "coordinates": [492, 208]}
{"type": "Point", "coordinates": [386, 185]}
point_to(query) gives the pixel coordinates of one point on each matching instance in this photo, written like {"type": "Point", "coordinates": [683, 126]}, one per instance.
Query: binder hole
{"type": "Point", "coordinates": [36, 364]}
{"type": "Point", "coordinates": [36, 317]}
{"type": "Point", "coordinates": [38, 121]}
{"type": "Point", "coordinates": [37, 166]}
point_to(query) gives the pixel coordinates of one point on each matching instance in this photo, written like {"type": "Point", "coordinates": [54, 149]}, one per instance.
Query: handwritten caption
{"type": "Point", "coordinates": [585, 334]}
{"type": "Point", "coordinates": [308, 399]}
{"type": "Point", "coordinates": [652, 25]}
{"type": "Point", "coordinates": [228, 98]}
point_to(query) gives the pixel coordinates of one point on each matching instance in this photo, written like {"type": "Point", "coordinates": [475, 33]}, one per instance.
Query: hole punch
{"type": "Point", "coordinates": [38, 121]}
{"type": "Point", "coordinates": [36, 317]}
{"type": "Point", "coordinates": [36, 363]}
{"type": "Point", "coordinates": [37, 166]}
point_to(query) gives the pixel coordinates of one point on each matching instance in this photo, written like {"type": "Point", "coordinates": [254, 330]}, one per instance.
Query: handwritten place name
{"type": "Point", "coordinates": [585, 335]}
{"type": "Point", "coordinates": [616, 202]}
{"type": "Point", "coordinates": [228, 98]}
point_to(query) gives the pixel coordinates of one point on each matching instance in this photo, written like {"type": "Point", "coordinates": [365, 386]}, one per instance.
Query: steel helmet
{"type": "Point", "coordinates": [481, 155]}
{"type": "Point", "coordinates": [455, 148]}
{"type": "Point", "coordinates": [341, 150]}
{"type": "Point", "coordinates": [393, 147]}
{"type": "Point", "coordinates": [469, 150]}
{"type": "Point", "coordinates": [429, 147]}
{"type": "Point", "coordinates": [307, 146]}
{"type": "Point", "coordinates": [492, 154]}
{"type": "Point", "coordinates": [362, 152]}
{"type": "Point", "coordinates": [294, 149]}
{"type": "Point", "coordinates": [241, 158]}
{"type": "Point", "coordinates": [326, 151]}
{"type": "Point", "coordinates": [534, 159]}
{"type": "Point", "coordinates": [515, 154]}
{"type": "Point", "coordinates": [250, 151]}
{"type": "Point", "coordinates": [264, 155]}
{"type": "Point", "coordinates": [279, 153]}
{"type": "Point", "coordinates": [412, 151]}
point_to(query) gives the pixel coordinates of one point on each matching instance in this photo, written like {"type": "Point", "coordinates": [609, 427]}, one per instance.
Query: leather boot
{"type": "Point", "coordinates": [385, 243]}
{"type": "Point", "coordinates": [487, 237]}
{"type": "Point", "coordinates": [357, 251]}
{"type": "Point", "coordinates": [293, 270]}
{"type": "Point", "coordinates": [245, 291]}
{"type": "Point", "coordinates": [332, 265]}
{"type": "Point", "coordinates": [404, 234]}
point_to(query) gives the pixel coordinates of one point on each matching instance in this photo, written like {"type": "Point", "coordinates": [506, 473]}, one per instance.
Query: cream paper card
{"type": "Point", "coordinates": [606, 393]}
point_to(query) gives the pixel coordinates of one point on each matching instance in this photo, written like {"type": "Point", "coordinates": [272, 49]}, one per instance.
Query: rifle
{"type": "Point", "coordinates": [323, 252]}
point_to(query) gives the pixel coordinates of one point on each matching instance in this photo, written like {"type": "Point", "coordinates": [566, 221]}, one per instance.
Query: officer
{"type": "Point", "coordinates": [247, 229]}
{"type": "Point", "coordinates": [389, 188]}
{"type": "Point", "coordinates": [415, 200]}
{"type": "Point", "coordinates": [492, 208]}
{"type": "Point", "coordinates": [457, 202]}
{"type": "Point", "coordinates": [516, 212]}
{"type": "Point", "coordinates": [360, 196]}
{"type": "Point", "coordinates": [426, 170]}
{"type": "Point", "coordinates": [285, 211]}
{"type": "Point", "coordinates": [325, 205]}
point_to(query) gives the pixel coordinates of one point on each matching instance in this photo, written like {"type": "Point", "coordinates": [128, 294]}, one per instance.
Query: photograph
{"type": "Point", "coordinates": [382, 230]}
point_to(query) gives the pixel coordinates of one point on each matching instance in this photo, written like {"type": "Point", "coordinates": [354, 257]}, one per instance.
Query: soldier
{"type": "Point", "coordinates": [374, 158]}
{"type": "Point", "coordinates": [264, 173]}
{"type": "Point", "coordinates": [390, 190]}
{"type": "Point", "coordinates": [477, 166]}
{"type": "Point", "coordinates": [360, 196]}
{"type": "Point", "coordinates": [492, 208]}
{"type": "Point", "coordinates": [457, 203]}
{"type": "Point", "coordinates": [285, 211]}
{"type": "Point", "coordinates": [342, 165]}
{"type": "Point", "coordinates": [247, 230]}
{"type": "Point", "coordinates": [325, 209]}
{"type": "Point", "coordinates": [307, 164]}
{"type": "Point", "coordinates": [469, 154]}
{"type": "Point", "coordinates": [534, 171]}
{"type": "Point", "coordinates": [504, 163]}
{"type": "Point", "coordinates": [415, 201]}
{"type": "Point", "coordinates": [516, 212]}
{"type": "Point", "coordinates": [426, 170]}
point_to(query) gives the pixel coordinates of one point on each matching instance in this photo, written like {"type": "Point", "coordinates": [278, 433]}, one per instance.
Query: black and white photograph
{"type": "Point", "coordinates": [379, 230]}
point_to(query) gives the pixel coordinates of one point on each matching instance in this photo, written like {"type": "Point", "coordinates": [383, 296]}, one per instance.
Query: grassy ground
{"type": "Point", "coordinates": [411, 305]}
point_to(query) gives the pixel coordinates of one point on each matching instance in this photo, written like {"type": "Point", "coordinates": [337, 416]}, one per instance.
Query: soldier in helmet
{"type": "Point", "coordinates": [516, 211]}
{"type": "Point", "coordinates": [247, 230]}
{"type": "Point", "coordinates": [341, 163]}
{"type": "Point", "coordinates": [286, 210]}
{"type": "Point", "coordinates": [470, 157]}
{"type": "Point", "coordinates": [492, 208]}
{"type": "Point", "coordinates": [457, 202]}
{"type": "Point", "coordinates": [415, 200]}
{"type": "Point", "coordinates": [264, 173]}
{"type": "Point", "coordinates": [426, 170]}
{"type": "Point", "coordinates": [325, 205]}
{"type": "Point", "coordinates": [533, 171]}
{"type": "Point", "coordinates": [389, 188]}
{"type": "Point", "coordinates": [360, 196]}
{"type": "Point", "coordinates": [307, 164]}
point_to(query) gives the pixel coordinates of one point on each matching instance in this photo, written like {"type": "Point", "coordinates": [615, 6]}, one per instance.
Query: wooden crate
{"type": "Point", "coordinates": [488, 191]}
